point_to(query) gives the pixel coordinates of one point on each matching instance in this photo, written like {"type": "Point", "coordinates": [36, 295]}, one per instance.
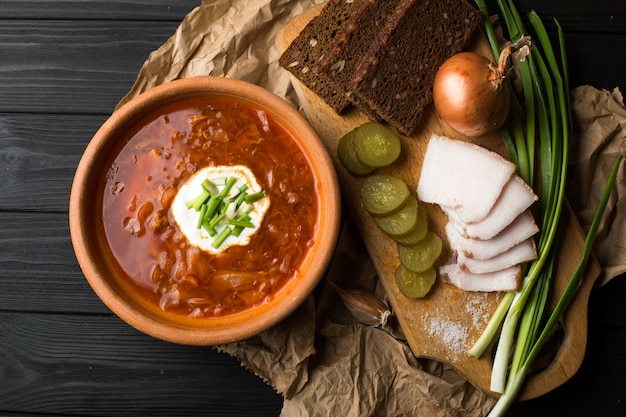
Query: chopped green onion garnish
{"type": "Point", "coordinates": [231, 210]}
{"type": "Point", "coordinates": [212, 207]}
{"type": "Point", "coordinates": [203, 210]}
{"type": "Point", "coordinates": [222, 237]}
{"type": "Point", "coordinates": [251, 198]}
{"type": "Point", "coordinates": [209, 229]}
{"type": "Point", "coordinates": [197, 202]}
{"type": "Point", "coordinates": [210, 187]}
{"type": "Point", "coordinates": [227, 187]}
{"type": "Point", "coordinates": [241, 223]}
{"type": "Point", "coordinates": [220, 205]}
{"type": "Point", "coordinates": [244, 217]}
{"type": "Point", "coordinates": [241, 196]}
{"type": "Point", "coordinates": [216, 219]}
{"type": "Point", "coordinates": [244, 208]}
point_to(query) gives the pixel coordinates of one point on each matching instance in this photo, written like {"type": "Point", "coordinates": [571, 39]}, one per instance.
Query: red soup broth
{"type": "Point", "coordinates": [157, 261]}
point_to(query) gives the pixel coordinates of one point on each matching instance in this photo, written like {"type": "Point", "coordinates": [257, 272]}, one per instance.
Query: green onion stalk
{"type": "Point", "coordinates": [516, 380]}
{"type": "Point", "coordinates": [530, 123]}
{"type": "Point", "coordinates": [537, 133]}
{"type": "Point", "coordinates": [216, 208]}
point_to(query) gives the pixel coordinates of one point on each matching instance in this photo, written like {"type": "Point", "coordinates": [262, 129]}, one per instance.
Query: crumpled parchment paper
{"type": "Point", "coordinates": [599, 119]}
{"type": "Point", "coordinates": [319, 359]}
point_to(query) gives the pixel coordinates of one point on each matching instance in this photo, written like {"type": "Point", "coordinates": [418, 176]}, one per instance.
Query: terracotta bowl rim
{"type": "Point", "coordinates": [205, 331]}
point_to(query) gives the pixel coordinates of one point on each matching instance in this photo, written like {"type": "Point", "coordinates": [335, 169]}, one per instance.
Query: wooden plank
{"type": "Point", "coordinates": [97, 9]}
{"type": "Point", "coordinates": [83, 365]}
{"type": "Point", "coordinates": [38, 156]}
{"type": "Point", "coordinates": [81, 67]}
{"type": "Point", "coordinates": [38, 269]}
{"type": "Point", "coordinates": [99, 366]}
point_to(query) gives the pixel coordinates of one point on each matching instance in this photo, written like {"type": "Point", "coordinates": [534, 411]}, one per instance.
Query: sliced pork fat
{"type": "Point", "coordinates": [490, 227]}
{"type": "Point", "coordinates": [516, 197]}
{"type": "Point", "coordinates": [462, 176]}
{"type": "Point", "coordinates": [505, 280]}
{"type": "Point", "coordinates": [522, 252]}
{"type": "Point", "coordinates": [522, 228]}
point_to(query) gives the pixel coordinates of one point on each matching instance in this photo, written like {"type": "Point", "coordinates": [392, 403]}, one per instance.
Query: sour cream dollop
{"type": "Point", "coordinates": [187, 219]}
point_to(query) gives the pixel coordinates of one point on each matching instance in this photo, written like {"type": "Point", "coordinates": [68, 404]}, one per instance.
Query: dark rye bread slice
{"type": "Point", "coordinates": [395, 76]}
{"type": "Point", "coordinates": [340, 60]}
{"type": "Point", "coordinates": [303, 55]}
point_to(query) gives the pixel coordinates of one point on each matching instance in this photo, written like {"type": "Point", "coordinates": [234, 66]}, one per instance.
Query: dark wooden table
{"type": "Point", "coordinates": [63, 67]}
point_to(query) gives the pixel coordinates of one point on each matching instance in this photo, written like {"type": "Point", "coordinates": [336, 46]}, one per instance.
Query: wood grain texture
{"type": "Point", "coordinates": [446, 323]}
{"type": "Point", "coordinates": [38, 269]}
{"type": "Point", "coordinates": [53, 69]}
{"type": "Point", "coordinates": [155, 10]}
{"type": "Point", "coordinates": [77, 365]}
{"type": "Point", "coordinates": [39, 155]}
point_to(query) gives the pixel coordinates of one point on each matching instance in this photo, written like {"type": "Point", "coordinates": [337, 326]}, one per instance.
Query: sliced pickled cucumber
{"type": "Point", "coordinates": [402, 222]}
{"type": "Point", "coordinates": [376, 145]}
{"type": "Point", "coordinates": [348, 158]}
{"type": "Point", "coordinates": [415, 284]}
{"type": "Point", "coordinates": [419, 232]}
{"type": "Point", "coordinates": [383, 195]}
{"type": "Point", "coordinates": [422, 256]}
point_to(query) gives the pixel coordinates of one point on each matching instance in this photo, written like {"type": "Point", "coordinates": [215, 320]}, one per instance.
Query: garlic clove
{"type": "Point", "coordinates": [364, 306]}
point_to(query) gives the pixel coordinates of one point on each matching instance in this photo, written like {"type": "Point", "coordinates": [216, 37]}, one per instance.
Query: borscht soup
{"type": "Point", "coordinates": [209, 208]}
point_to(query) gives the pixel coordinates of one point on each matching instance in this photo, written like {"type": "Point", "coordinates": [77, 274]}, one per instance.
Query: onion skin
{"type": "Point", "coordinates": [470, 95]}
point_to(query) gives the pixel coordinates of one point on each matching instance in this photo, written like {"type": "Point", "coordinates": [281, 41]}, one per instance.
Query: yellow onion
{"type": "Point", "coordinates": [470, 95]}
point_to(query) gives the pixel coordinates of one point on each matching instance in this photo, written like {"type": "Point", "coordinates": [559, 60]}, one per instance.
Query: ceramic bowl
{"type": "Point", "coordinates": [105, 278]}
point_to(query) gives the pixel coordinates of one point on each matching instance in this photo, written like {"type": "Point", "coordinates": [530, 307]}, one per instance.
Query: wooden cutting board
{"type": "Point", "coordinates": [448, 321]}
